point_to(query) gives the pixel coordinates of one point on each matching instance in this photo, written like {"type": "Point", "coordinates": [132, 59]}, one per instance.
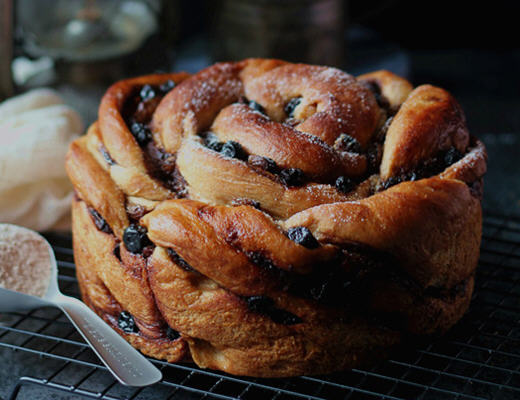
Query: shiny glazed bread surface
{"type": "Point", "coordinates": [274, 219]}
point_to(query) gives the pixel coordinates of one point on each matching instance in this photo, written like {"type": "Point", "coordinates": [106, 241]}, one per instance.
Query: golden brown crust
{"type": "Point", "coordinates": [471, 168]}
{"type": "Point", "coordinates": [435, 313]}
{"type": "Point", "coordinates": [91, 285]}
{"type": "Point", "coordinates": [115, 133]}
{"type": "Point", "coordinates": [434, 230]}
{"type": "Point", "coordinates": [332, 101]}
{"type": "Point", "coordinates": [219, 180]}
{"type": "Point", "coordinates": [322, 219]}
{"type": "Point", "coordinates": [125, 279]}
{"type": "Point", "coordinates": [97, 264]}
{"type": "Point", "coordinates": [428, 121]}
{"type": "Point", "coordinates": [195, 102]}
{"type": "Point", "coordinates": [287, 146]}
{"type": "Point", "coordinates": [94, 184]}
{"type": "Point", "coordinates": [230, 335]}
{"type": "Point", "coordinates": [394, 88]}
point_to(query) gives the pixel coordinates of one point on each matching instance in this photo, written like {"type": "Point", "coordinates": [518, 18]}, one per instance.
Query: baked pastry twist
{"type": "Point", "coordinates": [275, 219]}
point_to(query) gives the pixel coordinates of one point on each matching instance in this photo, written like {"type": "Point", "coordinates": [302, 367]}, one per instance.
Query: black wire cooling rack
{"type": "Point", "coordinates": [478, 359]}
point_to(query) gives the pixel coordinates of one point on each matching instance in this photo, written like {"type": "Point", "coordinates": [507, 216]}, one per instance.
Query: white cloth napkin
{"type": "Point", "coordinates": [36, 129]}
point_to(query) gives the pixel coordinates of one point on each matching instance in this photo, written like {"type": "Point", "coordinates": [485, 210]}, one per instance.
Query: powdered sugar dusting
{"type": "Point", "coordinates": [25, 265]}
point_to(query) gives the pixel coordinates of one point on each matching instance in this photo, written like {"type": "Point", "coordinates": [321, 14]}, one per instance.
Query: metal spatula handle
{"type": "Point", "coordinates": [128, 366]}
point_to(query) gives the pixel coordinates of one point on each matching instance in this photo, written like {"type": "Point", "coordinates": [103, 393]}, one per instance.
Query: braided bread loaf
{"type": "Point", "coordinates": [274, 219]}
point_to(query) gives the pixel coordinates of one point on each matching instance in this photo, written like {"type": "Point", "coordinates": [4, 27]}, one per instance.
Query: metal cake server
{"type": "Point", "coordinates": [126, 364]}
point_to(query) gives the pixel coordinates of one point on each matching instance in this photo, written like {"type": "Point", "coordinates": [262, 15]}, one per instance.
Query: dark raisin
{"type": "Point", "coordinates": [172, 334]}
{"type": "Point", "coordinates": [135, 238]}
{"type": "Point", "coordinates": [393, 180]}
{"type": "Point", "coordinates": [419, 173]}
{"type": "Point", "coordinates": [284, 317]}
{"type": "Point", "coordinates": [265, 305]}
{"type": "Point", "coordinates": [126, 323]}
{"type": "Point", "coordinates": [291, 106]}
{"type": "Point", "coordinates": [147, 92]}
{"type": "Point", "coordinates": [452, 156]}
{"type": "Point", "coordinates": [303, 237]}
{"type": "Point", "coordinates": [382, 101]}
{"type": "Point", "coordinates": [259, 259]}
{"type": "Point", "coordinates": [178, 183]}
{"type": "Point", "coordinates": [260, 304]}
{"type": "Point", "coordinates": [117, 251]}
{"type": "Point", "coordinates": [242, 201]}
{"type": "Point", "coordinates": [106, 155]}
{"type": "Point", "coordinates": [167, 86]}
{"type": "Point", "coordinates": [255, 106]}
{"type": "Point", "coordinates": [265, 163]}
{"type": "Point", "coordinates": [427, 168]}
{"type": "Point", "coordinates": [348, 143]}
{"type": "Point", "coordinates": [374, 87]}
{"type": "Point", "coordinates": [380, 137]}
{"type": "Point", "coordinates": [211, 141]}
{"type": "Point", "coordinates": [432, 166]}
{"type": "Point", "coordinates": [99, 221]}
{"type": "Point", "coordinates": [141, 133]}
{"type": "Point", "coordinates": [181, 262]}
{"type": "Point", "coordinates": [264, 262]}
{"type": "Point", "coordinates": [148, 250]}
{"type": "Point", "coordinates": [233, 149]}
{"type": "Point", "coordinates": [344, 184]}
{"type": "Point", "coordinates": [292, 176]}
{"type": "Point", "coordinates": [374, 154]}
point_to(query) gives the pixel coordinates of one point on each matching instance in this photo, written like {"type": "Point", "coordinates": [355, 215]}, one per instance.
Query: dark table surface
{"type": "Point", "coordinates": [485, 82]}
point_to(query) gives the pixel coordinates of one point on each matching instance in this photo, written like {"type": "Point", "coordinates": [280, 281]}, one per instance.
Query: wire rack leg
{"type": "Point", "coordinates": [23, 380]}
{"type": "Point", "coordinates": [26, 380]}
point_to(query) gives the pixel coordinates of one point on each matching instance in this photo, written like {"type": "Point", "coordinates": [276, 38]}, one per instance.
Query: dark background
{"type": "Point", "coordinates": [472, 48]}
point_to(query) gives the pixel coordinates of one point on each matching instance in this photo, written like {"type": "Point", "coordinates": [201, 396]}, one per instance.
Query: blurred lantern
{"type": "Point", "coordinates": [80, 30]}
{"type": "Point", "coordinates": [81, 41]}
{"type": "Point", "coordinates": [310, 31]}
